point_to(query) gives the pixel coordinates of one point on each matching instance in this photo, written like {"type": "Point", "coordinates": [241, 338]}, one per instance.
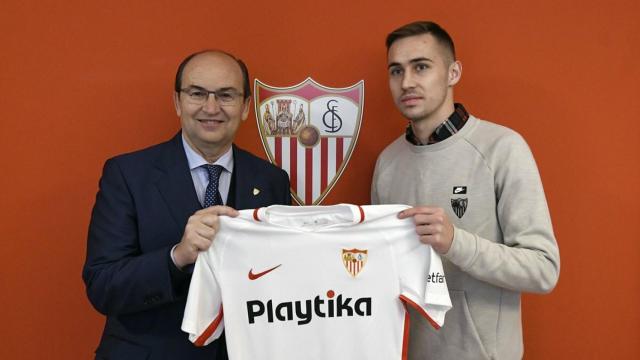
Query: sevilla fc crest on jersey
{"type": "Point", "coordinates": [354, 260]}
{"type": "Point", "coordinates": [310, 131]}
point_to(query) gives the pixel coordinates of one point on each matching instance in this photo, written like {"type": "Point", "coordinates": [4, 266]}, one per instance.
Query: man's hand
{"type": "Point", "coordinates": [432, 225]}
{"type": "Point", "coordinates": [199, 234]}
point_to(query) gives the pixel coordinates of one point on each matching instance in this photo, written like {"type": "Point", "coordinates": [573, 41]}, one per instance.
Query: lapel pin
{"type": "Point", "coordinates": [256, 191]}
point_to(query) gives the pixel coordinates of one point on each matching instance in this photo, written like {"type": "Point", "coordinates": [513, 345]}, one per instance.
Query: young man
{"type": "Point", "coordinates": [478, 201]}
{"type": "Point", "coordinates": [158, 207]}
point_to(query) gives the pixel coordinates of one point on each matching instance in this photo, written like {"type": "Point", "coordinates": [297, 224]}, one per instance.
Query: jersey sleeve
{"type": "Point", "coordinates": [203, 316]}
{"type": "Point", "coordinates": [423, 285]}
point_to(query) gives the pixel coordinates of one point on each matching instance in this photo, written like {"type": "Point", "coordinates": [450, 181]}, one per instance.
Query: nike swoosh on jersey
{"type": "Point", "coordinates": [253, 276]}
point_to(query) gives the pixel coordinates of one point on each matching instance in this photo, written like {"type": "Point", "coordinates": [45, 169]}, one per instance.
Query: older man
{"type": "Point", "coordinates": [158, 207]}
{"type": "Point", "coordinates": [482, 206]}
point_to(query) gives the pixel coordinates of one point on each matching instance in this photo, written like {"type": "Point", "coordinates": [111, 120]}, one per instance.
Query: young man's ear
{"type": "Point", "coordinates": [455, 72]}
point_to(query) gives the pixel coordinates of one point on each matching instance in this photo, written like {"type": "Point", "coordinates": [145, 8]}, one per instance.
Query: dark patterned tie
{"type": "Point", "coordinates": [212, 195]}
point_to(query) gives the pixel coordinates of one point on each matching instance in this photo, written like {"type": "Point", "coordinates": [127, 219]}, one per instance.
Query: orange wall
{"type": "Point", "coordinates": [81, 81]}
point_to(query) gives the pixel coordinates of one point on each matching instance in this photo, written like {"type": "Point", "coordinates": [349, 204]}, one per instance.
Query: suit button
{"type": "Point", "coordinates": [152, 299]}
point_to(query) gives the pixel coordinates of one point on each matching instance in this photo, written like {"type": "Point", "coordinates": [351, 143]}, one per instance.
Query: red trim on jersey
{"type": "Point", "coordinates": [361, 214]}
{"type": "Point", "coordinates": [421, 311]}
{"type": "Point", "coordinates": [405, 336]}
{"type": "Point", "coordinates": [209, 330]}
{"type": "Point", "coordinates": [255, 214]}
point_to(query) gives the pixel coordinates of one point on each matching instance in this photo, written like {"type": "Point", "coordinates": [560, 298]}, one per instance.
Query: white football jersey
{"type": "Point", "coordinates": [315, 282]}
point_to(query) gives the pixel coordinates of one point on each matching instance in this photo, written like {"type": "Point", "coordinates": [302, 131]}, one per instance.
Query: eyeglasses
{"type": "Point", "coordinates": [224, 97]}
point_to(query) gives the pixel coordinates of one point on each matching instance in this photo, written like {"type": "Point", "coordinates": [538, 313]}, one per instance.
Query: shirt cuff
{"type": "Point", "coordinates": [187, 269]}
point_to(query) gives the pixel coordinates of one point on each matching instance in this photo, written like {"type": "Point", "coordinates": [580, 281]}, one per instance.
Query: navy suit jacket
{"type": "Point", "coordinates": [142, 207]}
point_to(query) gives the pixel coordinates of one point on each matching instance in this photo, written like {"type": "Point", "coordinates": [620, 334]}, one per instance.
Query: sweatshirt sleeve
{"type": "Point", "coordinates": [527, 259]}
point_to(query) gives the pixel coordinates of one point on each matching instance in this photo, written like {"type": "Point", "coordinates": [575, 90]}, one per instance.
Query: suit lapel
{"type": "Point", "coordinates": [245, 180]}
{"type": "Point", "coordinates": [175, 183]}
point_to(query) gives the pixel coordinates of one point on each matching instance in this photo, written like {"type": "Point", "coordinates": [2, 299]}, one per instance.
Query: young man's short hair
{"type": "Point", "coordinates": [419, 28]}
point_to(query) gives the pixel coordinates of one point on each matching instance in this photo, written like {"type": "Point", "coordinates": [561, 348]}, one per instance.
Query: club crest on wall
{"type": "Point", "coordinates": [309, 130]}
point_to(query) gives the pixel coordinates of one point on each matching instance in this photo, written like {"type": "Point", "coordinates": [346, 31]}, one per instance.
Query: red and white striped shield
{"type": "Point", "coordinates": [310, 131]}
{"type": "Point", "coordinates": [354, 260]}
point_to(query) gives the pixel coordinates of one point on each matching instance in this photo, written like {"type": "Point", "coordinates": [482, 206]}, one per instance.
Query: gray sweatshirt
{"type": "Point", "coordinates": [486, 180]}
